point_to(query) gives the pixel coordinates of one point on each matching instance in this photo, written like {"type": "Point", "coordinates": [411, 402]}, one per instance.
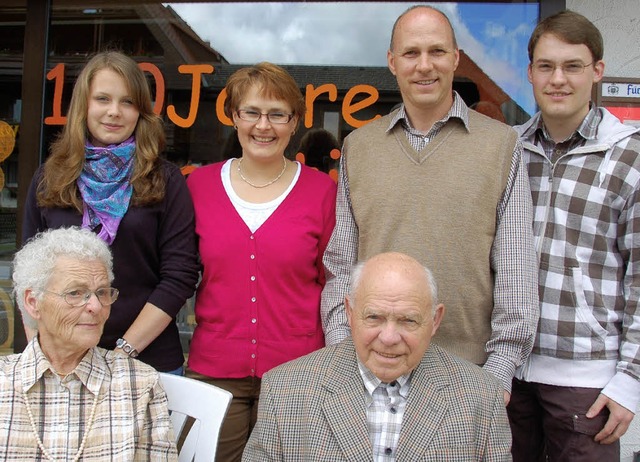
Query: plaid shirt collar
{"type": "Point", "coordinates": [588, 129]}
{"type": "Point", "coordinates": [371, 382]}
{"type": "Point", "coordinates": [458, 110]}
{"type": "Point", "coordinates": [91, 370]}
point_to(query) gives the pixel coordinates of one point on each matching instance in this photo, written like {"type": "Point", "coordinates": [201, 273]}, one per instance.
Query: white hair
{"type": "Point", "coordinates": [356, 278]}
{"type": "Point", "coordinates": [34, 264]}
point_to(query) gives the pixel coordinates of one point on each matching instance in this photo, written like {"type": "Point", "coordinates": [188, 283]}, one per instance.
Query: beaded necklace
{"type": "Point", "coordinates": [284, 167]}
{"type": "Point", "coordinates": [84, 437]}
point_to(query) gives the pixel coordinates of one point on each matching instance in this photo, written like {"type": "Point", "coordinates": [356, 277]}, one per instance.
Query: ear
{"type": "Point", "coordinates": [31, 304]}
{"type": "Point", "coordinates": [529, 74]}
{"type": "Point", "coordinates": [598, 71]}
{"type": "Point", "coordinates": [439, 314]}
{"type": "Point", "coordinates": [391, 62]}
{"type": "Point", "coordinates": [457, 59]}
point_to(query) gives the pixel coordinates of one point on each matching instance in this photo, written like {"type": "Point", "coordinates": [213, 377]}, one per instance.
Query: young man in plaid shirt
{"type": "Point", "coordinates": [577, 393]}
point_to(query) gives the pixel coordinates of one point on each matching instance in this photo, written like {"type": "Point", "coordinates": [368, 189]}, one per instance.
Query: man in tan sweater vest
{"type": "Point", "coordinates": [446, 185]}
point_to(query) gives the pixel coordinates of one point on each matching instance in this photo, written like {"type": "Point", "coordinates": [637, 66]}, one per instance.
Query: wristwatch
{"type": "Point", "coordinates": [126, 347]}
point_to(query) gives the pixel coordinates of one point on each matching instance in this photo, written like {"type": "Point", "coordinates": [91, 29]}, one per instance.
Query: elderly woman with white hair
{"type": "Point", "coordinates": [64, 398]}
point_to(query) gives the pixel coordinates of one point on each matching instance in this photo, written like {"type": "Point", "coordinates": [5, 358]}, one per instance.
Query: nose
{"type": "Point", "coordinates": [93, 304]}
{"type": "Point", "coordinates": [113, 110]}
{"type": "Point", "coordinates": [389, 334]}
{"type": "Point", "coordinates": [263, 121]}
{"type": "Point", "coordinates": [424, 62]}
{"type": "Point", "coordinates": [558, 75]}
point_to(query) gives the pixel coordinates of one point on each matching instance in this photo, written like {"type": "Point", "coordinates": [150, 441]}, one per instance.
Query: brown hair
{"type": "Point", "coordinates": [67, 153]}
{"type": "Point", "coordinates": [272, 80]}
{"type": "Point", "coordinates": [570, 27]}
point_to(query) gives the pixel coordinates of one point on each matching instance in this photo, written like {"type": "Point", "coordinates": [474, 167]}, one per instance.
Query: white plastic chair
{"type": "Point", "coordinates": [203, 402]}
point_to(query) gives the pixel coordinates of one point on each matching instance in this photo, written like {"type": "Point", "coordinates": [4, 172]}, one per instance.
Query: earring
{"type": "Point", "coordinates": [235, 127]}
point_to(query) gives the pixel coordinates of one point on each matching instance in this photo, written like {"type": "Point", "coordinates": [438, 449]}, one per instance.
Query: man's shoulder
{"type": "Point", "coordinates": [478, 121]}
{"type": "Point", "coordinates": [379, 125]}
{"type": "Point", "coordinates": [312, 367]}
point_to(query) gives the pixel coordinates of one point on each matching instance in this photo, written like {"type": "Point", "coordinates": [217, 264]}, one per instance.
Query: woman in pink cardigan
{"type": "Point", "coordinates": [263, 223]}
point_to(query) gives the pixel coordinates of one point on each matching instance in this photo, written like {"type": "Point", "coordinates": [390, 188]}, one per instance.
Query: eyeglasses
{"type": "Point", "coordinates": [272, 117]}
{"type": "Point", "coordinates": [574, 68]}
{"type": "Point", "coordinates": [78, 298]}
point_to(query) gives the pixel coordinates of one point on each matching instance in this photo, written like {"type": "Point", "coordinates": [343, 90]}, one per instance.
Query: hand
{"type": "Point", "coordinates": [618, 422]}
{"type": "Point", "coordinates": [507, 397]}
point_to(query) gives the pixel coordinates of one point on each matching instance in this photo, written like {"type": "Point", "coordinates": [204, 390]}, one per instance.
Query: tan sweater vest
{"type": "Point", "coordinates": [439, 206]}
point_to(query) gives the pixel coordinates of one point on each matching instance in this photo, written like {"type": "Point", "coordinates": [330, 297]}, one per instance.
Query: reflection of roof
{"type": "Point", "coordinates": [488, 89]}
{"type": "Point", "coordinates": [179, 42]}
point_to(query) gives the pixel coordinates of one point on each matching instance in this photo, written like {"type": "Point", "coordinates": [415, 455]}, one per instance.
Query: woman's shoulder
{"type": "Point", "coordinates": [316, 178]}
{"type": "Point", "coordinates": [205, 174]}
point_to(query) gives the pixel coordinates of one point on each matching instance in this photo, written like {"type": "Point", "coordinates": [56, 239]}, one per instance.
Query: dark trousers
{"type": "Point", "coordinates": [548, 419]}
{"type": "Point", "coordinates": [241, 416]}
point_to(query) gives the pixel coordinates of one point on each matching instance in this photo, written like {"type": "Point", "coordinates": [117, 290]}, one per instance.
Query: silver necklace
{"type": "Point", "coordinates": [284, 167]}
{"type": "Point", "coordinates": [84, 437]}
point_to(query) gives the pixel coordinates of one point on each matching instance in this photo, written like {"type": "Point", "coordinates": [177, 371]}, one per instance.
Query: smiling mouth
{"type": "Point", "coordinates": [426, 82]}
{"type": "Point", "coordinates": [263, 139]}
{"type": "Point", "coordinates": [387, 355]}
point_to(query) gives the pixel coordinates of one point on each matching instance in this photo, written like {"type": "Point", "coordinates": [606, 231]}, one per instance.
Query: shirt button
{"type": "Point", "coordinates": [253, 257]}
{"type": "Point", "coordinates": [254, 320]}
{"type": "Point", "coordinates": [388, 451]}
{"type": "Point", "coordinates": [393, 410]}
{"type": "Point", "coordinates": [253, 278]}
{"type": "Point", "coordinates": [253, 341]}
{"type": "Point", "coordinates": [253, 299]}
{"type": "Point", "coordinates": [253, 355]}
{"type": "Point", "coordinates": [251, 237]}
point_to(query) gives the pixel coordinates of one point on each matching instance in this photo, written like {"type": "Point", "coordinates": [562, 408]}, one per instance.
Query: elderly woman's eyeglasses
{"type": "Point", "coordinates": [272, 117]}
{"type": "Point", "coordinates": [78, 298]}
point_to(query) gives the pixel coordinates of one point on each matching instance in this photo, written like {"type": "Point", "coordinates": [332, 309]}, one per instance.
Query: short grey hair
{"type": "Point", "coordinates": [356, 278]}
{"type": "Point", "coordinates": [33, 265]}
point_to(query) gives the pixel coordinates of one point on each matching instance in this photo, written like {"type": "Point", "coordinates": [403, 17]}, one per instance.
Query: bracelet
{"type": "Point", "coordinates": [126, 347]}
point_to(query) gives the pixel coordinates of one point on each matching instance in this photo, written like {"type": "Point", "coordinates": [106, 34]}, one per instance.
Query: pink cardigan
{"type": "Point", "coordinates": [258, 304]}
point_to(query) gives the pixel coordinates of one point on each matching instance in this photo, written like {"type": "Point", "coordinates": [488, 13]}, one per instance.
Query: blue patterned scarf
{"type": "Point", "coordinates": [105, 186]}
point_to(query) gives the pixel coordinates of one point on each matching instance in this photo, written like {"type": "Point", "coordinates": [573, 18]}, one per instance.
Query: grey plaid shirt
{"type": "Point", "coordinates": [385, 404]}
{"type": "Point", "coordinates": [586, 197]}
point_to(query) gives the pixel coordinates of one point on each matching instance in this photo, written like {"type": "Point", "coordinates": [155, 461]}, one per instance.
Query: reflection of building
{"type": "Point", "coordinates": [487, 90]}
{"type": "Point", "coordinates": [155, 34]}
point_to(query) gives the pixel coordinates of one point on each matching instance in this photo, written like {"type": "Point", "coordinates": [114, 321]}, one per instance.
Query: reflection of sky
{"type": "Point", "coordinates": [494, 35]}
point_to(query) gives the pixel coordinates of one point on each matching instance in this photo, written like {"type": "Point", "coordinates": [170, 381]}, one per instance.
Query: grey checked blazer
{"type": "Point", "coordinates": [313, 409]}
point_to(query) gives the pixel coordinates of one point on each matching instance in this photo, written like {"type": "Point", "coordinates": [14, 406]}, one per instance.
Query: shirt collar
{"type": "Point", "coordinates": [371, 382]}
{"type": "Point", "coordinates": [588, 129]}
{"type": "Point", "coordinates": [33, 363]}
{"type": "Point", "coordinates": [458, 110]}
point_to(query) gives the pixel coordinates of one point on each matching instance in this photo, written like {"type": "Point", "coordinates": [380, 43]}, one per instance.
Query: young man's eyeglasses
{"type": "Point", "coordinates": [80, 297]}
{"type": "Point", "coordinates": [273, 117]}
{"type": "Point", "coordinates": [572, 68]}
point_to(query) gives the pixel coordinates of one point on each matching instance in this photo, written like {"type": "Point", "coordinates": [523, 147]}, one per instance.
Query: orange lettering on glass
{"type": "Point", "coordinates": [57, 74]}
{"type": "Point", "coordinates": [348, 108]}
{"type": "Point", "coordinates": [159, 79]}
{"type": "Point", "coordinates": [222, 97]}
{"type": "Point", "coordinates": [197, 70]}
{"type": "Point", "coordinates": [310, 96]}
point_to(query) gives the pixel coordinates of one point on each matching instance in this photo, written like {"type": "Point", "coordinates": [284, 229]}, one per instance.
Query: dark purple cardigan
{"type": "Point", "coordinates": [155, 260]}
